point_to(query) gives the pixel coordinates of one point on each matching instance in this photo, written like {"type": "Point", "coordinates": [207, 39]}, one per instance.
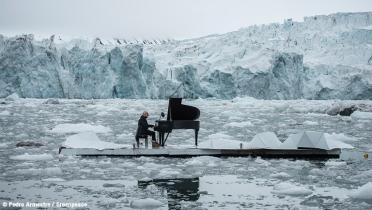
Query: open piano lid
{"type": "Point", "coordinates": [178, 111]}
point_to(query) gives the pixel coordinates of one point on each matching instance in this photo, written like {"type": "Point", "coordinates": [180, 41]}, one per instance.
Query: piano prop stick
{"type": "Point", "coordinates": [179, 116]}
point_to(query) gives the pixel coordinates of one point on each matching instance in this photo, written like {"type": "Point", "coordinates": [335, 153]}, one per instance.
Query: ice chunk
{"type": "Point", "coordinates": [363, 193]}
{"type": "Point", "coordinates": [147, 203]}
{"type": "Point", "coordinates": [168, 173]}
{"type": "Point", "coordinates": [12, 97]}
{"type": "Point", "coordinates": [280, 175]}
{"type": "Point", "coordinates": [239, 124]}
{"type": "Point", "coordinates": [332, 144]}
{"type": "Point", "coordinates": [5, 113]}
{"type": "Point", "coordinates": [261, 161]}
{"type": "Point", "coordinates": [265, 140]}
{"type": "Point", "coordinates": [362, 115]}
{"type": "Point", "coordinates": [27, 156]}
{"type": "Point", "coordinates": [291, 189]}
{"type": "Point", "coordinates": [332, 163]}
{"type": "Point", "coordinates": [89, 140]}
{"type": "Point", "coordinates": [3, 145]}
{"type": "Point", "coordinates": [340, 137]}
{"type": "Point", "coordinates": [202, 161]}
{"type": "Point", "coordinates": [53, 180]}
{"type": "Point", "coordinates": [307, 122]}
{"type": "Point", "coordinates": [79, 127]}
{"type": "Point", "coordinates": [40, 171]}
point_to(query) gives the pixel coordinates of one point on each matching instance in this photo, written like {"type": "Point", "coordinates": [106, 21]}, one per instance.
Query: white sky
{"type": "Point", "coordinates": [157, 18]}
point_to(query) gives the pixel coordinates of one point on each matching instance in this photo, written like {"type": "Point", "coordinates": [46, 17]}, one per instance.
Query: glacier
{"type": "Point", "coordinates": [322, 57]}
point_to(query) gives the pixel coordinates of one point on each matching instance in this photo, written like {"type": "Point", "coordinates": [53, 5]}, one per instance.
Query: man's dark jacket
{"type": "Point", "coordinates": [142, 126]}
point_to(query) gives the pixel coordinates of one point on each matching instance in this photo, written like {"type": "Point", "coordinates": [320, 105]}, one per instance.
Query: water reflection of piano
{"type": "Point", "coordinates": [179, 117]}
{"type": "Point", "coordinates": [177, 190]}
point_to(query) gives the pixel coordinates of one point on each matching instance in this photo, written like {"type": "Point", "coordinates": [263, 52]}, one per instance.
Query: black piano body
{"type": "Point", "coordinates": [179, 116]}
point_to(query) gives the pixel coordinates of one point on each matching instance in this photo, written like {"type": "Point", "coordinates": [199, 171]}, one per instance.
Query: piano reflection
{"type": "Point", "coordinates": [179, 117]}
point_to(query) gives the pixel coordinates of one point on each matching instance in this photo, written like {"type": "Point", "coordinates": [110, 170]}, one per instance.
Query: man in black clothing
{"type": "Point", "coordinates": [143, 127]}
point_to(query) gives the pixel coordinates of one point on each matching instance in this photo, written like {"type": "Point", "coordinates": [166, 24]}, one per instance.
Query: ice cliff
{"type": "Point", "coordinates": [323, 57]}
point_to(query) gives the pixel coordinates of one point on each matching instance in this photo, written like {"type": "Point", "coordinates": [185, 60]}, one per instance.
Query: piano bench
{"type": "Point", "coordinates": [142, 137]}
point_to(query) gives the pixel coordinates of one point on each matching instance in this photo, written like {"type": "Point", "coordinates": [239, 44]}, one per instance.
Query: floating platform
{"type": "Point", "coordinates": [193, 152]}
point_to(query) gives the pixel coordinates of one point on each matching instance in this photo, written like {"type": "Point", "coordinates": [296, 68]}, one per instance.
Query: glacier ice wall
{"type": "Point", "coordinates": [323, 57]}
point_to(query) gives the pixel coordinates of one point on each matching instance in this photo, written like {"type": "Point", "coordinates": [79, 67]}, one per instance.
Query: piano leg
{"type": "Point", "coordinates": [161, 138]}
{"type": "Point", "coordinates": [196, 137]}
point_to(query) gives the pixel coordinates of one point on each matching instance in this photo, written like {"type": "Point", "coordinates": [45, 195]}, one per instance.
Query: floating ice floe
{"type": "Point", "coordinates": [3, 145]}
{"type": "Point", "coordinates": [203, 161]}
{"type": "Point", "coordinates": [147, 203]}
{"type": "Point", "coordinates": [40, 171]}
{"type": "Point", "coordinates": [90, 140]}
{"type": "Point", "coordinates": [5, 113]}
{"type": "Point", "coordinates": [363, 193]}
{"type": "Point", "coordinates": [27, 156]}
{"type": "Point", "coordinates": [333, 163]}
{"type": "Point", "coordinates": [307, 122]}
{"type": "Point", "coordinates": [12, 97]}
{"type": "Point", "coordinates": [280, 175]}
{"type": "Point", "coordinates": [79, 127]}
{"type": "Point", "coordinates": [340, 137]}
{"type": "Point", "coordinates": [53, 180]}
{"type": "Point", "coordinates": [265, 140]}
{"type": "Point", "coordinates": [286, 188]}
{"type": "Point", "coordinates": [313, 139]}
{"type": "Point", "coordinates": [362, 115]}
{"type": "Point", "coordinates": [239, 124]}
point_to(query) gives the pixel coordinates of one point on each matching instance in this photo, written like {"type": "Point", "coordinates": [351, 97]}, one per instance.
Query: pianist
{"type": "Point", "coordinates": [143, 128]}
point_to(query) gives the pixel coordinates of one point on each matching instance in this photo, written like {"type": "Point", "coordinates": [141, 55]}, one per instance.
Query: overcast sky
{"type": "Point", "coordinates": [157, 18]}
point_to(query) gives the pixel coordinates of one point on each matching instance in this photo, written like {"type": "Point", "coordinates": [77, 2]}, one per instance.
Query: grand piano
{"type": "Point", "coordinates": [179, 117]}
